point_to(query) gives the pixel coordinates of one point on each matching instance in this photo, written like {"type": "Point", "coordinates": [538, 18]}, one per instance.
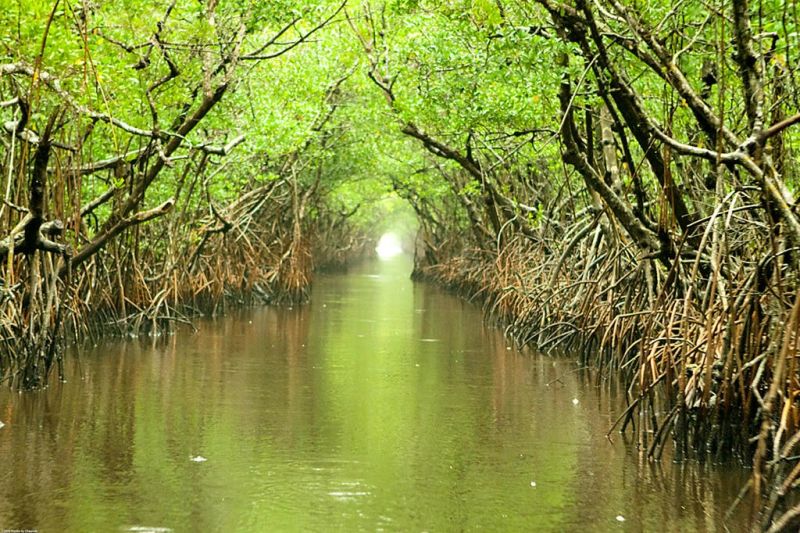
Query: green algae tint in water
{"type": "Point", "coordinates": [383, 405]}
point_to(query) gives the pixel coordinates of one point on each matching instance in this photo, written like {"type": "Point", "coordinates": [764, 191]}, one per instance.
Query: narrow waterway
{"type": "Point", "coordinates": [382, 405]}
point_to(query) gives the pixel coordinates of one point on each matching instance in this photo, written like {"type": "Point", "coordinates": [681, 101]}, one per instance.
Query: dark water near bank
{"type": "Point", "coordinates": [383, 405]}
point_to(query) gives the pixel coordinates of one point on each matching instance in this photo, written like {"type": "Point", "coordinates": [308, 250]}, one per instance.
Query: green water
{"type": "Point", "coordinates": [382, 405]}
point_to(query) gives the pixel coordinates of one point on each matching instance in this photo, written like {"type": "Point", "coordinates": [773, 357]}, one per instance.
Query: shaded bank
{"type": "Point", "coordinates": [136, 191]}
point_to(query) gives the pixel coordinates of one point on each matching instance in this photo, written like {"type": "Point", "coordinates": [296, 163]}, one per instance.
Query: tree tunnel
{"type": "Point", "coordinates": [619, 183]}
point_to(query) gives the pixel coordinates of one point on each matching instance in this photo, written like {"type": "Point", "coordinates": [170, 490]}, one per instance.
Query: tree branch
{"type": "Point", "coordinates": [100, 240]}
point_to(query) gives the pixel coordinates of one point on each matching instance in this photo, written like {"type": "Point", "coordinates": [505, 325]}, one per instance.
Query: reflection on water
{"type": "Point", "coordinates": [383, 405]}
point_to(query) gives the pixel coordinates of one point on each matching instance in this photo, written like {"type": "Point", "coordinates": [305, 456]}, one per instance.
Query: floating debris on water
{"type": "Point", "coordinates": [620, 518]}
{"type": "Point", "coordinates": [198, 459]}
{"type": "Point", "coordinates": [533, 484]}
{"type": "Point", "coordinates": [148, 529]}
{"type": "Point", "coordinates": [575, 401]}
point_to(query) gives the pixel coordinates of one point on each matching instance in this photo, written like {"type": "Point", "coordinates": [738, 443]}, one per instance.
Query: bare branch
{"type": "Point", "coordinates": [55, 85]}
{"type": "Point", "coordinates": [100, 200]}
{"type": "Point", "coordinates": [258, 55]}
{"type": "Point", "coordinates": [111, 162]}
{"type": "Point", "coordinates": [100, 240]}
{"type": "Point", "coordinates": [222, 150]}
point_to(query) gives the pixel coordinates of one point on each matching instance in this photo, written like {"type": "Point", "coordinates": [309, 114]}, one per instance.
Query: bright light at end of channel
{"type": "Point", "coordinates": [389, 246]}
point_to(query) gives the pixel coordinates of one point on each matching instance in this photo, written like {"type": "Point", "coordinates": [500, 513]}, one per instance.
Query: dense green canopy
{"type": "Point", "coordinates": [615, 171]}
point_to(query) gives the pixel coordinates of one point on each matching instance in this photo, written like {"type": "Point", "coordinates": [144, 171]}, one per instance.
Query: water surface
{"type": "Point", "coordinates": [382, 405]}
